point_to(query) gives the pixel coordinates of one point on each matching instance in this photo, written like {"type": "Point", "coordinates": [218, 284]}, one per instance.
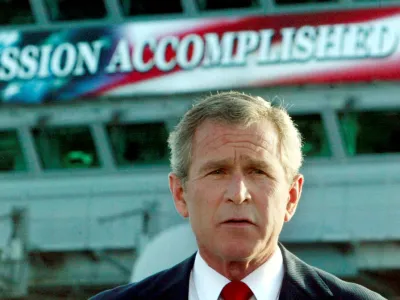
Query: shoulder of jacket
{"type": "Point", "coordinates": [119, 292]}
{"type": "Point", "coordinates": [347, 290]}
{"type": "Point", "coordinates": [133, 291]}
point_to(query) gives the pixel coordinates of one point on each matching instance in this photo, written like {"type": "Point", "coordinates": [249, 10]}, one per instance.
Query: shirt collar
{"type": "Point", "coordinates": [265, 282]}
{"type": "Point", "coordinates": [208, 282]}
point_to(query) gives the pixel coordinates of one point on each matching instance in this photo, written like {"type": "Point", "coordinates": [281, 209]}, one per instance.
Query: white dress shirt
{"type": "Point", "coordinates": [265, 282]}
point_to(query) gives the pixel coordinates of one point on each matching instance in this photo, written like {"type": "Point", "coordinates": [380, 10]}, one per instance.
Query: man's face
{"type": "Point", "coordinates": [237, 196]}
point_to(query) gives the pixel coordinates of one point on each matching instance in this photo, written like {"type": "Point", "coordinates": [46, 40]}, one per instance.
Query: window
{"type": "Point", "coordinates": [139, 143]}
{"type": "Point", "coordinates": [11, 157]}
{"type": "Point", "coordinates": [66, 10]}
{"type": "Point", "coordinates": [297, 2]}
{"type": "Point", "coordinates": [15, 12]}
{"type": "Point", "coordinates": [66, 148]}
{"type": "Point", "coordinates": [315, 140]}
{"type": "Point", "coordinates": [226, 4]}
{"type": "Point", "coordinates": [150, 7]}
{"type": "Point", "coordinates": [370, 132]}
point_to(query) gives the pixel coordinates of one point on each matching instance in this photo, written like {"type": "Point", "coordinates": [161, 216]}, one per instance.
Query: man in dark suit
{"type": "Point", "coordinates": [235, 174]}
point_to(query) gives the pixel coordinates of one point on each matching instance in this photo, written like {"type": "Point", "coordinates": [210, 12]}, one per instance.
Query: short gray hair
{"type": "Point", "coordinates": [235, 108]}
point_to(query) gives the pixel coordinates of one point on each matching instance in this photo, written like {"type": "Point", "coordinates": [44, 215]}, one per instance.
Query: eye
{"type": "Point", "coordinates": [217, 172]}
{"type": "Point", "coordinates": [258, 172]}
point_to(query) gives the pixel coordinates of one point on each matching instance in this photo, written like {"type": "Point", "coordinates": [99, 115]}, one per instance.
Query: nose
{"type": "Point", "coordinates": [237, 190]}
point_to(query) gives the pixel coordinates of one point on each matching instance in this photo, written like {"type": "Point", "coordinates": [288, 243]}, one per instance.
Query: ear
{"type": "Point", "coordinates": [294, 196]}
{"type": "Point", "coordinates": [178, 194]}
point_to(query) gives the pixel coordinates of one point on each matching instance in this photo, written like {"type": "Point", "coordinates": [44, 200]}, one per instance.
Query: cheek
{"type": "Point", "coordinates": [271, 202]}
{"type": "Point", "coordinates": [203, 202]}
{"type": "Point", "coordinates": [210, 190]}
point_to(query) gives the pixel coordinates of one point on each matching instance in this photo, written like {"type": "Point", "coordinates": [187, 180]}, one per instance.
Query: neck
{"type": "Point", "coordinates": [236, 268]}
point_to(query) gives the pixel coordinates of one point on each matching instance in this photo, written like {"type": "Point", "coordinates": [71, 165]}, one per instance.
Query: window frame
{"type": "Point", "coordinates": [257, 8]}
{"type": "Point", "coordinates": [99, 164]}
{"type": "Point", "coordinates": [114, 15]}
{"type": "Point", "coordinates": [183, 8]}
{"type": "Point", "coordinates": [48, 8]}
{"type": "Point", "coordinates": [363, 106]}
{"type": "Point", "coordinates": [13, 15]}
{"type": "Point", "coordinates": [139, 165]}
{"type": "Point", "coordinates": [325, 131]}
{"type": "Point", "coordinates": [20, 149]}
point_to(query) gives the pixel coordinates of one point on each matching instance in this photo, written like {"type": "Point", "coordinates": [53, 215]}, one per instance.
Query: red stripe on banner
{"type": "Point", "coordinates": [388, 71]}
{"type": "Point", "coordinates": [275, 22]}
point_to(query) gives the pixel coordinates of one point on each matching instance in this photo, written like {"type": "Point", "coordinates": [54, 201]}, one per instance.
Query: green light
{"type": "Point", "coordinates": [78, 159]}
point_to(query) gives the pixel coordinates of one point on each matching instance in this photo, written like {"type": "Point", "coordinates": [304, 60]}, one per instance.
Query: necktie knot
{"type": "Point", "coordinates": [236, 290]}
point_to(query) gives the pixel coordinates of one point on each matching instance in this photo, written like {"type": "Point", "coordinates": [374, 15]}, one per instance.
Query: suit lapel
{"type": "Point", "coordinates": [300, 280]}
{"type": "Point", "coordinates": [290, 291]}
{"type": "Point", "coordinates": [175, 282]}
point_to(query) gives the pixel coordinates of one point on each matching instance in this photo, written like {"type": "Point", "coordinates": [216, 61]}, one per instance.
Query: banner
{"type": "Point", "coordinates": [190, 55]}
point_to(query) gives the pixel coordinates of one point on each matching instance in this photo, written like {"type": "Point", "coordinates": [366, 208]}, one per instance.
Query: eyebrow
{"type": "Point", "coordinates": [267, 166]}
{"type": "Point", "coordinates": [215, 164]}
{"type": "Point", "coordinates": [258, 163]}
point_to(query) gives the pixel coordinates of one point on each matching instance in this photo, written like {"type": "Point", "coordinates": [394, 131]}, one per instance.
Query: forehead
{"type": "Point", "coordinates": [211, 136]}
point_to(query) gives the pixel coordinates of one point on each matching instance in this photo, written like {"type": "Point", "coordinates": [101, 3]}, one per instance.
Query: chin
{"type": "Point", "coordinates": [237, 252]}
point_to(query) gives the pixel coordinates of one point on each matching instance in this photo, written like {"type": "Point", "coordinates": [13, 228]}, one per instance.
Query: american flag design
{"type": "Point", "coordinates": [194, 55]}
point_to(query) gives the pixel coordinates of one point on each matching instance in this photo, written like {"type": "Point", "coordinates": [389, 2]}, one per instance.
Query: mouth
{"type": "Point", "coordinates": [238, 222]}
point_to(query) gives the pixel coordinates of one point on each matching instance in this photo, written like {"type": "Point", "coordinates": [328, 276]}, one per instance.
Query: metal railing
{"type": "Point", "coordinates": [13, 260]}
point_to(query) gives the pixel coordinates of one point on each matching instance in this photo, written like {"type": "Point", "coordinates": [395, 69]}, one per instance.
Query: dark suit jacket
{"type": "Point", "coordinates": [300, 281]}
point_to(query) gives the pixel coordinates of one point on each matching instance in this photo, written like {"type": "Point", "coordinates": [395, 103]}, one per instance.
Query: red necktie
{"type": "Point", "coordinates": [236, 290]}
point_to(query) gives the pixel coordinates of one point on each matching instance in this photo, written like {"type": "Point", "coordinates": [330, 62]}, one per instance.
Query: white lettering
{"type": "Point", "coordinates": [330, 41]}
{"type": "Point", "coordinates": [9, 64]}
{"type": "Point", "coordinates": [56, 61]}
{"type": "Point", "coordinates": [247, 43]}
{"type": "Point", "coordinates": [138, 55]}
{"type": "Point", "coordinates": [120, 60]}
{"type": "Point", "coordinates": [361, 49]}
{"type": "Point", "coordinates": [228, 40]}
{"type": "Point", "coordinates": [182, 54]}
{"type": "Point", "coordinates": [28, 59]}
{"type": "Point", "coordinates": [287, 43]}
{"type": "Point", "coordinates": [44, 61]}
{"type": "Point", "coordinates": [350, 41]}
{"type": "Point", "coordinates": [383, 41]}
{"type": "Point", "coordinates": [265, 46]}
{"type": "Point", "coordinates": [216, 52]}
{"type": "Point", "coordinates": [213, 51]}
{"type": "Point", "coordinates": [304, 42]}
{"type": "Point", "coordinates": [161, 53]}
{"type": "Point", "coordinates": [88, 57]}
